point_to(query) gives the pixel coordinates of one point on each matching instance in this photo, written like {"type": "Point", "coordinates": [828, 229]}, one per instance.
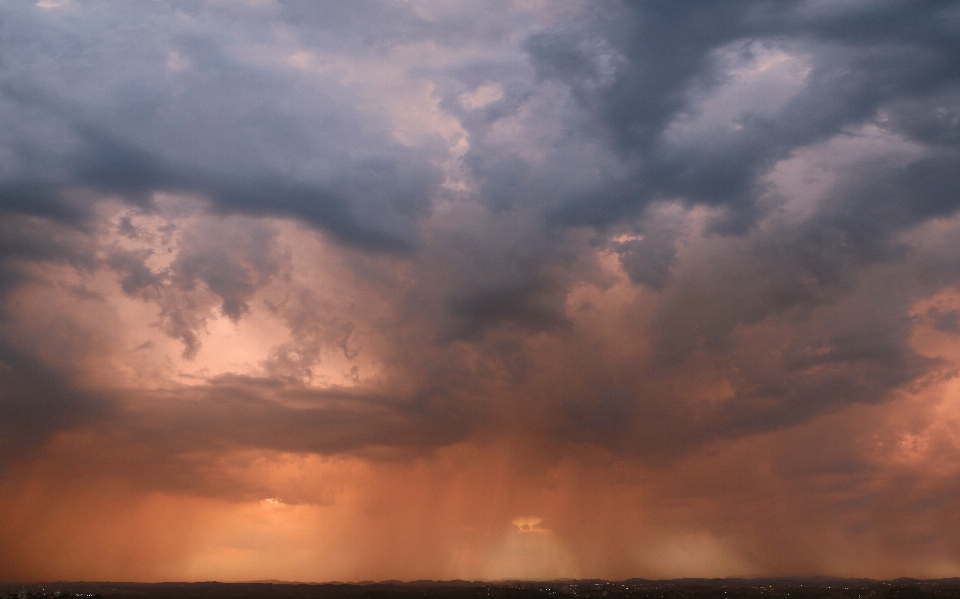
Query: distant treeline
{"type": "Point", "coordinates": [459, 589]}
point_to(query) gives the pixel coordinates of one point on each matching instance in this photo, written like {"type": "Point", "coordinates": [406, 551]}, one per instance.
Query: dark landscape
{"type": "Point", "coordinates": [458, 589]}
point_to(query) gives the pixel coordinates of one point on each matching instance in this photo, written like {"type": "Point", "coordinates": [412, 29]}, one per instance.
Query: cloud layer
{"type": "Point", "coordinates": [348, 290]}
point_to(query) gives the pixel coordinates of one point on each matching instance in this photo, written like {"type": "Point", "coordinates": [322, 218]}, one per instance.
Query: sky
{"type": "Point", "coordinates": [422, 289]}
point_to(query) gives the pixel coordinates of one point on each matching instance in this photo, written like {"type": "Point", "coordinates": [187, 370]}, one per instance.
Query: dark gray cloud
{"type": "Point", "coordinates": [128, 104]}
{"type": "Point", "coordinates": [36, 401]}
{"type": "Point", "coordinates": [654, 136]}
{"type": "Point", "coordinates": [634, 67]}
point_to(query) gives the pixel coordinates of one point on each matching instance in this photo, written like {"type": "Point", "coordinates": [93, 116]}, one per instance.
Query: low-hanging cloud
{"type": "Point", "coordinates": [655, 275]}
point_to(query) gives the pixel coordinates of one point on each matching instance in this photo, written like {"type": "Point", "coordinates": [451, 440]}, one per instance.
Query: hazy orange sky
{"type": "Point", "coordinates": [513, 289]}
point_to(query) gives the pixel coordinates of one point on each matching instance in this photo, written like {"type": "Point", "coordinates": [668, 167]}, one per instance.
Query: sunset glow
{"type": "Point", "coordinates": [514, 289]}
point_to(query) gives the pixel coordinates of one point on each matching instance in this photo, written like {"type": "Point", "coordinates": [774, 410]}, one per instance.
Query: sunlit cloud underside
{"type": "Point", "coordinates": [503, 290]}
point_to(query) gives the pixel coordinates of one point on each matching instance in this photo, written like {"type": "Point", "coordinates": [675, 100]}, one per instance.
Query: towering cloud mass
{"type": "Point", "coordinates": [417, 289]}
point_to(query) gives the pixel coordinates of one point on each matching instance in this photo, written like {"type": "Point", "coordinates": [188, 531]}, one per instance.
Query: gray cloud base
{"type": "Point", "coordinates": [93, 110]}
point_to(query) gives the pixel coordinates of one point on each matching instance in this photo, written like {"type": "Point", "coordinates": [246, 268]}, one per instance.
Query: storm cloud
{"type": "Point", "coordinates": [679, 281]}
